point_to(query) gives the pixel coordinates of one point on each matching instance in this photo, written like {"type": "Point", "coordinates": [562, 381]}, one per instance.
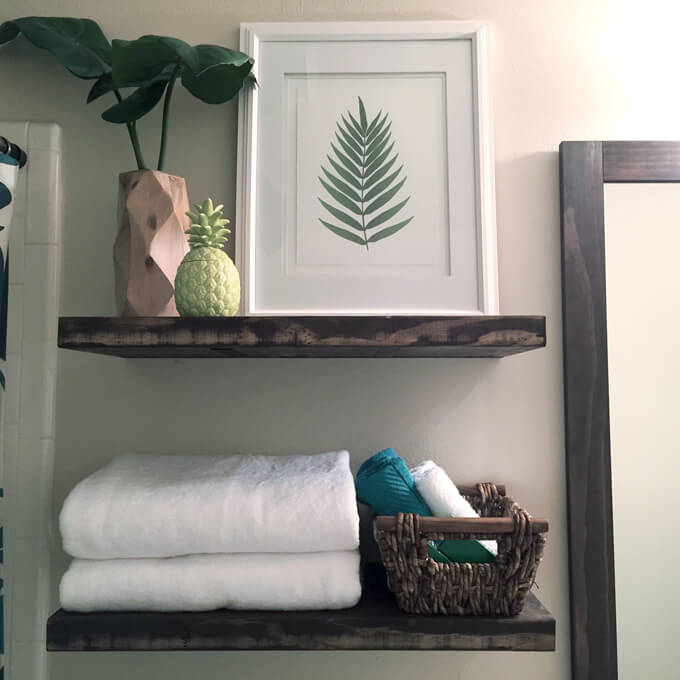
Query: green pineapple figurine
{"type": "Point", "coordinates": [207, 281]}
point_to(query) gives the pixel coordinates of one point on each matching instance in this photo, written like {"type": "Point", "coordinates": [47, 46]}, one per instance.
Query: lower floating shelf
{"type": "Point", "coordinates": [375, 623]}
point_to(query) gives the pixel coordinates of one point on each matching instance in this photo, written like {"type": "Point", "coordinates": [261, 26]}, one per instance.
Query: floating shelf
{"type": "Point", "coordinates": [304, 336]}
{"type": "Point", "coordinates": [375, 623]}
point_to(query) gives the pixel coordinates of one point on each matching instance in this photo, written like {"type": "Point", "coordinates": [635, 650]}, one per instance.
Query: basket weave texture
{"type": "Point", "coordinates": [423, 586]}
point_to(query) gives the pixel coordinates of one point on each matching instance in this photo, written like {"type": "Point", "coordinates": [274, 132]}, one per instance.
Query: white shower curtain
{"type": "Point", "coordinates": [8, 176]}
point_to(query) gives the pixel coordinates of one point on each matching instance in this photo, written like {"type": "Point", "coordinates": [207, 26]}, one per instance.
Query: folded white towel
{"type": "Point", "coordinates": [327, 580]}
{"type": "Point", "coordinates": [442, 495]}
{"type": "Point", "coordinates": [163, 506]}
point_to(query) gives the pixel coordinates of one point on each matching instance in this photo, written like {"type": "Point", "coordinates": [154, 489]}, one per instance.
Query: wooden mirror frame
{"type": "Point", "coordinates": [585, 167]}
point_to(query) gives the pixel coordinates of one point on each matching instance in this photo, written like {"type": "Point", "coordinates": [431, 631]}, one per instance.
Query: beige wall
{"type": "Point", "coordinates": [561, 69]}
{"type": "Point", "coordinates": [641, 231]}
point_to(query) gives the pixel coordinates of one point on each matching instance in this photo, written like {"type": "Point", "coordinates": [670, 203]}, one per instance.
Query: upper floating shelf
{"type": "Point", "coordinates": [304, 336]}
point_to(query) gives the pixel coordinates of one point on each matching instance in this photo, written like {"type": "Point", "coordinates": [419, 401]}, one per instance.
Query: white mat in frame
{"type": "Point", "coordinates": [432, 76]}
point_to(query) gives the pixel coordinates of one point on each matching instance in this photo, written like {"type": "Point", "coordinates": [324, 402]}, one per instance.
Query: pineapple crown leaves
{"type": "Point", "coordinates": [207, 226]}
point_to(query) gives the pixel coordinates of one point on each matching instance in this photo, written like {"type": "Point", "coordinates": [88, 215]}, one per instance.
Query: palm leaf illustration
{"type": "Point", "coordinates": [362, 179]}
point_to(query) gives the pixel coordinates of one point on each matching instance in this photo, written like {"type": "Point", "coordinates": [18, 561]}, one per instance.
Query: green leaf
{"type": "Point", "coordinates": [377, 130]}
{"type": "Point", "coordinates": [8, 31]}
{"type": "Point", "coordinates": [350, 140]}
{"type": "Point", "coordinates": [138, 104]}
{"type": "Point", "coordinates": [364, 185]}
{"type": "Point", "coordinates": [251, 81]}
{"type": "Point", "coordinates": [341, 198]}
{"type": "Point", "coordinates": [362, 117]}
{"type": "Point", "coordinates": [384, 216]}
{"type": "Point", "coordinates": [380, 172]}
{"type": "Point", "coordinates": [356, 125]}
{"type": "Point", "coordinates": [339, 184]}
{"type": "Point", "coordinates": [222, 73]}
{"type": "Point", "coordinates": [344, 233]}
{"type": "Point", "coordinates": [348, 150]}
{"type": "Point", "coordinates": [381, 186]}
{"type": "Point", "coordinates": [347, 162]}
{"type": "Point", "coordinates": [383, 198]}
{"type": "Point", "coordinates": [142, 59]}
{"type": "Point", "coordinates": [357, 137]}
{"type": "Point", "coordinates": [78, 44]}
{"type": "Point", "coordinates": [388, 231]}
{"type": "Point", "coordinates": [379, 141]}
{"type": "Point", "coordinates": [378, 148]}
{"type": "Point", "coordinates": [373, 123]}
{"type": "Point", "coordinates": [374, 165]}
{"type": "Point", "coordinates": [343, 217]}
{"type": "Point", "coordinates": [104, 84]}
{"type": "Point", "coordinates": [101, 86]}
{"type": "Point", "coordinates": [347, 176]}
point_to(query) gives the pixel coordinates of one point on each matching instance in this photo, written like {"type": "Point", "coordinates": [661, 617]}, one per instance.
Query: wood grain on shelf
{"type": "Point", "coordinates": [375, 623]}
{"type": "Point", "coordinates": [337, 336]}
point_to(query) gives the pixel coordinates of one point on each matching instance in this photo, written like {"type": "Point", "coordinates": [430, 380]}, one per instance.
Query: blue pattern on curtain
{"type": "Point", "coordinates": [8, 176]}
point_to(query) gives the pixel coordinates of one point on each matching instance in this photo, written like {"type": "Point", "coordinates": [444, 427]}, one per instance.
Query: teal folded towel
{"type": "Point", "coordinates": [385, 483]}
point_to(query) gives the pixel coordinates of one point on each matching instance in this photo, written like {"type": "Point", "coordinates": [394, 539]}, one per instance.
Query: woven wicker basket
{"type": "Point", "coordinates": [423, 586]}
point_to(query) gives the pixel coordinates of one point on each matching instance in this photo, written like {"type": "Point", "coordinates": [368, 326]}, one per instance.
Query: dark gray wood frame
{"type": "Point", "coordinates": [585, 167]}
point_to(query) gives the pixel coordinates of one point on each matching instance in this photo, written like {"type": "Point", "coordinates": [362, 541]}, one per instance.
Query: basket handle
{"type": "Point", "coordinates": [464, 525]}
{"type": "Point", "coordinates": [469, 490]}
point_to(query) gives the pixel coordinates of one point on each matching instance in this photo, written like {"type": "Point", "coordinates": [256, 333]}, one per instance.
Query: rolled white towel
{"type": "Point", "coordinates": [166, 506]}
{"type": "Point", "coordinates": [442, 495]}
{"type": "Point", "coordinates": [326, 580]}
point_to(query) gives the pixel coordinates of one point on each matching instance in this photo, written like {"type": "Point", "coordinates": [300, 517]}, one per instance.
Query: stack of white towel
{"type": "Point", "coordinates": [189, 533]}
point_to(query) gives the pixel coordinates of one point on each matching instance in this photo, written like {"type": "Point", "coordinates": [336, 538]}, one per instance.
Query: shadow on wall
{"type": "Point", "coordinates": [254, 406]}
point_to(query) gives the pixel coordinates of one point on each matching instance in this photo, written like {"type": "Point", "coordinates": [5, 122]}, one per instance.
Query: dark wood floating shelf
{"type": "Point", "coordinates": [304, 336]}
{"type": "Point", "coordinates": [375, 623]}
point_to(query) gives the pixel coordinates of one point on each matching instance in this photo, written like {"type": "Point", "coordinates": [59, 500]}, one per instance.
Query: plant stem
{"type": "Point", "coordinates": [166, 111]}
{"type": "Point", "coordinates": [132, 131]}
{"type": "Point", "coordinates": [363, 172]}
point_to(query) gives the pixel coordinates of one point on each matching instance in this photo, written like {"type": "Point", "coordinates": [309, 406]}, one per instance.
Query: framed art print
{"type": "Point", "coordinates": [365, 170]}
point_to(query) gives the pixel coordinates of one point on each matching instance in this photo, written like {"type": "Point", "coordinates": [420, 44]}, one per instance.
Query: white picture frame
{"type": "Point", "coordinates": [302, 69]}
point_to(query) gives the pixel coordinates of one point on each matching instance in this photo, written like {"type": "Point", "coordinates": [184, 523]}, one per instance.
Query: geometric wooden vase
{"type": "Point", "coordinates": [150, 243]}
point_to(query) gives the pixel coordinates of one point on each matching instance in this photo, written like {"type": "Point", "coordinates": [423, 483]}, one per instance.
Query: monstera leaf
{"type": "Point", "coordinates": [104, 84]}
{"type": "Point", "coordinates": [78, 44]}
{"type": "Point", "coordinates": [362, 181]}
{"type": "Point", "coordinates": [138, 72]}
{"type": "Point", "coordinates": [144, 58]}
{"type": "Point", "coordinates": [137, 104]}
{"type": "Point", "coordinates": [151, 64]}
{"type": "Point", "coordinates": [220, 76]}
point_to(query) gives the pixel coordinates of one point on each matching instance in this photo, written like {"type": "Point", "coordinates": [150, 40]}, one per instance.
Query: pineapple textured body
{"type": "Point", "coordinates": [207, 281]}
{"type": "Point", "coordinates": [207, 284]}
